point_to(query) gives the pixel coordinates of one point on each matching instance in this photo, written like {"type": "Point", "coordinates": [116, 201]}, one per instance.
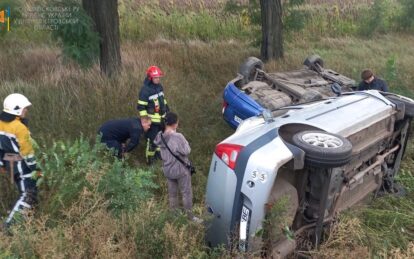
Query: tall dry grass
{"type": "Point", "coordinates": [69, 102]}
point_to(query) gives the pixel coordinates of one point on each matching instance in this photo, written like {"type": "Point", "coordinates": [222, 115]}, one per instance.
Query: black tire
{"type": "Point", "coordinates": [336, 152]}
{"type": "Point", "coordinates": [314, 62]}
{"type": "Point", "coordinates": [409, 106]}
{"type": "Point", "coordinates": [248, 68]}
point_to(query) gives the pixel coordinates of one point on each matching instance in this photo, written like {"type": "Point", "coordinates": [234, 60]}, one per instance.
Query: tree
{"type": "Point", "coordinates": [104, 13]}
{"type": "Point", "coordinates": [272, 29]}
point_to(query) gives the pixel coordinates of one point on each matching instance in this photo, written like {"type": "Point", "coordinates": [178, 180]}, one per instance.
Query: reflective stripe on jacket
{"type": "Point", "coordinates": [151, 101]}
{"type": "Point", "coordinates": [15, 138]}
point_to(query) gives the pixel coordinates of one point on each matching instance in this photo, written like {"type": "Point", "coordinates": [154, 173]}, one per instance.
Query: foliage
{"type": "Point", "coordinates": [389, 223]}
{"type": "Point", "coordinates": [391, 69]}
{"type": "Point", "coordinates": [125, 187]}
{"type": "Point", "coordinates": [72, 168]}
{"type": "Point", "coordinates": [148, 22]}
{"type": "Point", "coordinates": [93, 205]}
{"type": "Point", "coordinates": [294, 18]}
{"type": "Point", "coordinates": [343, 240]}
{"type": "Point", "coordinates": [79, 40]}
{"type": "Point", "coordinates": [379, 18]}
{"type": "Point", "coordinates": [250, 16]}
{"type": "Point", "coordinates": [393, 78]}
{"type": "Point", "coordinates": [276, 224]}
{"type": "Point", "coordinates": [406, 18]}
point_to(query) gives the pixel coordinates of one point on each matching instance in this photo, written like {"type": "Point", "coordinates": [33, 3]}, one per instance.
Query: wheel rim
{"type": "Point", "coordinates": [322, 140]}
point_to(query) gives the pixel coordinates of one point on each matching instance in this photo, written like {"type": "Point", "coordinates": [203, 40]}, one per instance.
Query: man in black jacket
{"type": "Point", "coordinates": [152, 103]}
{"type": "Point", "coordinates": [116, 133]}
{"type": "Point", "coordinates": [371, 82]}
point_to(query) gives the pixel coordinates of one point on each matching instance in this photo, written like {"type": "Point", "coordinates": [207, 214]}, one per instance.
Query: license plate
{"type": "Point", "coordinates": [244, 230]}
{"type": "Point", "coordinates": [237, 119]}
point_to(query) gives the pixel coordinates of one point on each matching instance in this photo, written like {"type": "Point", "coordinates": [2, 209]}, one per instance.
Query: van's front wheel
{"type": "Point", "coordinates": [323, 149]}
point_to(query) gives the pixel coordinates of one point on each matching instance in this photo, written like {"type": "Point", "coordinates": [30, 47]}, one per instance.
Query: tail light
{"type": "Point", "coordinates": [228, 153]}
{"type": "Point", "coordinates": [225, 104]}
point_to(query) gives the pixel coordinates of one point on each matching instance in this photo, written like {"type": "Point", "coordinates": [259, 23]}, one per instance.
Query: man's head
{"type": "Point", "coordinates": [154, 74]}
{"type": "Point", "coordinates": [367, 75]}
{"type": "Point", "coordinates": [16, 104]}
{"type": "Point", "coordinates": [145, 123]}
{"type": "Point", "coordinates": [171, 120]}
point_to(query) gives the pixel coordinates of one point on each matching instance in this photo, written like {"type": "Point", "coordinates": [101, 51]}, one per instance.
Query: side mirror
{"type": "Point", "coordinates": [336, 88]}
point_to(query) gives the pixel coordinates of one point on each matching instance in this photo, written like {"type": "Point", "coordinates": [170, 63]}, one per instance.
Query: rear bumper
{"type": "Point", "coordinates": [240, 106]}
{"type": "Point", "coordinates": [232, 117]}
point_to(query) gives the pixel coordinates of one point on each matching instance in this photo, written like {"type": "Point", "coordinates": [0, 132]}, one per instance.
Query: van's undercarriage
{"type": "Point", "coordinates": [317, 194]}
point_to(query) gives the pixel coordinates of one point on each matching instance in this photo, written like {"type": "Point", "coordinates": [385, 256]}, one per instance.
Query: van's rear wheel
{"type": "Point", "coordinates": [323, 149]}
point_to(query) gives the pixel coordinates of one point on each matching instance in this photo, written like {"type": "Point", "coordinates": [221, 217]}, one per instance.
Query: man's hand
{"type": "Point", "coordinates": [123, 151]}
{"type": "Point", "coordinates": [125, 155]}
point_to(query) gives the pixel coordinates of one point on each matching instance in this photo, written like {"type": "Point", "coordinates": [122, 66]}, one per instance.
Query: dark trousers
{"type": "Point", "coordinates": [150, 135]}
{"type": "Point", "coordinates": [115, 145]}
{"type": "Point", "coordinates": [26, 186]}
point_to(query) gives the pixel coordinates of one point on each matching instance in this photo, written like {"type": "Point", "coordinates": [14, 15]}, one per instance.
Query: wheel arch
{"type": "Point", "coordinates": [287, 131]}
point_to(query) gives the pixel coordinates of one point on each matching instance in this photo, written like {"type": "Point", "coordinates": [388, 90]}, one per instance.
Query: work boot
{"type": "Point", "coordinates": [150, 160]}
{"type": "Point", "coordinates": [158, 155]}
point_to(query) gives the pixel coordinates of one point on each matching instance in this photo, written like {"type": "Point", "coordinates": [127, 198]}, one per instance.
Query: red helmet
{"type": "Point", "coordinates": [154, 71]}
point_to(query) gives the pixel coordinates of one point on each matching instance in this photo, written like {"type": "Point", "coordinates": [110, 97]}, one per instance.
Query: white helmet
{"type": "Point", "coordinates": [15, 103]}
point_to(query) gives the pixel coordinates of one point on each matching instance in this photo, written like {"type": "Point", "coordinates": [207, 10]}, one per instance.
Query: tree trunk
{"type": "Point", "coordinates": [272, 29]}
{"type": "Point", "coordinates": [104, 13]}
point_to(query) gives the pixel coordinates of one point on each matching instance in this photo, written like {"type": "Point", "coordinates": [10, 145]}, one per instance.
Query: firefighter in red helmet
{"type": "Point", "coordinates": [152, 103]}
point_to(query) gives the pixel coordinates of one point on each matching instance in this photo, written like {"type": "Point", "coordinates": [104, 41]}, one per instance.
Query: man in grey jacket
{"type": "Point", "coordinates": [177, 174]}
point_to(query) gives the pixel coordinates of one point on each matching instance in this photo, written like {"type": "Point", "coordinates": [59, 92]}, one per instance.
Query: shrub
{"type": "Point", "coordinates": [406, 18]}
{"type": "Point", "coordinates": [125, 187]}
{"type": "Point", "coordinates": [72, 168]}
{"type": "Point", "coordinates": [294, 18]}
{"type": "Point", "coordinates": [393, 79]}
{"type": "Point", "coordinates": [149, 22]}
{"type": "Point", "coordinates": [379, 19]}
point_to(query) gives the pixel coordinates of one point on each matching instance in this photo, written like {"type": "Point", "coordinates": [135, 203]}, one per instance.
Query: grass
{"type": "Point", "coordinates": [184, 22]}
{"type": "Point", "coordinates": [199, 58]}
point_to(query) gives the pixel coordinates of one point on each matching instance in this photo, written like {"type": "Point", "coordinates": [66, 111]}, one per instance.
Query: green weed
{"type": "Point", "coordinates": [149, 23]}
{"type": "Point", "coordinates": [72, 168]}
{"type": "Point", "coordinates": [405, 19]}
{"type": "Point", "coordinates": [95, 206]}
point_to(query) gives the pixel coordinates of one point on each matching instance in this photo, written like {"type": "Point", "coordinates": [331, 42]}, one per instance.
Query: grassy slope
{"type": "Point", "coordinates": [69, 102]}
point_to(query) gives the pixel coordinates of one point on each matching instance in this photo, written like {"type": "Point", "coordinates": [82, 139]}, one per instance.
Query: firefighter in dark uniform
{"type": "Point", "coordinates": [152, 103]}
{"type": "Point", "coordinates": [16, 152]}
{"type": "Point", "coordinates": [116, 133]}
